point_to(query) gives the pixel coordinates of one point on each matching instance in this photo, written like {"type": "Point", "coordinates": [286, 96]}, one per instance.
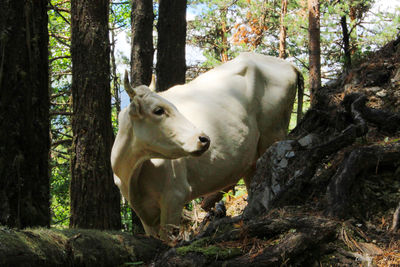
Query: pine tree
{"type": "Point", "coordinates": [142, 50]}
{"type": "Point", "coordinates": [171, 28]}
{"type": "Point", "coordinates": [24, 114]}
{"type": "Point", "coordinates": [95, 200]}
{"type": "Point", "coordinates": [314, 48]}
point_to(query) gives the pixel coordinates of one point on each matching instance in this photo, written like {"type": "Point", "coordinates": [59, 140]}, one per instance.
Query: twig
{"type": "Point", "coordinates": [57, 58]}
{"type": "Point", "coordinates": [56, 9]}
{"type": "Point", "coordinates": [65, 113]}
{"type": "Point", "coordinates": [396, 220]}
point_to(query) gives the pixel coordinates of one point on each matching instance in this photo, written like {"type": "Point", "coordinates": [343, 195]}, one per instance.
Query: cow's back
{"type": "Point", "coordinates": [241, 115]}
{"type": "Point", "coordinates": [276, 102]}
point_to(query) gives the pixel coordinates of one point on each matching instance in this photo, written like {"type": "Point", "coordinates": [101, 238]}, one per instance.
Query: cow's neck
{"type": "Point", "coordinates": [127, 154]}
{"type": "Point", "coordinates": [128, 158]}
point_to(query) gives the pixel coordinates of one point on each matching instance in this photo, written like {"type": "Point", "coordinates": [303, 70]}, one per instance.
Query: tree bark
{"type": "Point", "coordinates": [171, 27]}
{"type": "Point", "coordinates": [282, 32]}
{"type": "Point", "coordinates": [314, 48]}
{"type": "Point", "coordinates": [24, 114]}
{"type": "Point", "coordinates": [224, 35]}
{"type": "Point", "coordinates": [142, 50]}
{"type": "Point", "coordinates": [95, 200]}
{"type": "Point", "coordinates": [346, 43]}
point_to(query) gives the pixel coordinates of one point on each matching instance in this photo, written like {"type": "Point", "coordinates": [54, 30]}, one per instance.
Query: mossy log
{"type": "Point", "coordinates": [74, 247]}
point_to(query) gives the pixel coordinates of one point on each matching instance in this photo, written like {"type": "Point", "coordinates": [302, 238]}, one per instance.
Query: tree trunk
{"type": "Point", "coordinates": [142, 50]}
{"type": "Point", "coordinates": [24, 114]}
{"type": "Point", "coordinates": [282, 33]}
{"type": "Point", "coordinates": [346, 43]}
{"type": "Point", "coordinates": [171, 27]}
{"type": "Point", "coordinates": [314, 48]}
{"type": "Point", "coordinates": [115, 79]}
{"type": "Point", "coordinates": [224, 36]}
{"type": "Point", "coordinates": [95, 200]}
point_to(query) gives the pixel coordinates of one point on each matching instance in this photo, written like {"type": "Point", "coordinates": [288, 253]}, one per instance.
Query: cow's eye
{"type": "Point", "coordinates": [158, 111]}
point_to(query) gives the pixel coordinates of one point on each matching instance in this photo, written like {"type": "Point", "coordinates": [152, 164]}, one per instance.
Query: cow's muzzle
{"type": "Point", "coordinates": [203, 144]}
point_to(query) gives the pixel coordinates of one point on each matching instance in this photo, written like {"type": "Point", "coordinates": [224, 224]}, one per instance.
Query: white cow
{"type": "Point", "coordinates": [162, 156]}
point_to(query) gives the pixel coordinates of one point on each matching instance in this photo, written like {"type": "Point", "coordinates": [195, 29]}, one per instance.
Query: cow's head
{"type": "Point", "coordinates": [159, 128]}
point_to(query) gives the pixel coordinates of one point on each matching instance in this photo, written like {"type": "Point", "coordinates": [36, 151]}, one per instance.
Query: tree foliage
{"type": "Point", "coordinates": [60, 108]}
{"type": "Point", "coordinates": [254, 25]}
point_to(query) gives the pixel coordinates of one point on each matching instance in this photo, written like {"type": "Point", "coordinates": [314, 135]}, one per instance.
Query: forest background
{"type": "Point", "coordinates": [217, 31]}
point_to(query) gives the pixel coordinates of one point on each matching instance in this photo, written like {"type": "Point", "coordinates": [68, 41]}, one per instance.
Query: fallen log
{"type": "Point", "coordinates": [74, 247]}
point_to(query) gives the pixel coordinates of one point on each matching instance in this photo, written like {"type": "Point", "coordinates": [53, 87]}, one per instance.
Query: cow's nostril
{"type": "Point", "coordinates": [204, 139]}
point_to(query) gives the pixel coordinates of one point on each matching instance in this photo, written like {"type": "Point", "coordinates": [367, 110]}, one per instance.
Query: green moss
{"type": "Point", "coordinates": [36, 245]}
{"type": "Point", "coordinates": [210, 251]}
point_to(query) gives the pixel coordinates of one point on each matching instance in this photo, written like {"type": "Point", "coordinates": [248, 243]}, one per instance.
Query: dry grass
{"type": "Point", "coordinates": [390, 256]}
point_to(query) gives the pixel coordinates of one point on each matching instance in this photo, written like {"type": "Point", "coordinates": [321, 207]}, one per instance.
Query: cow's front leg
{"type": "Point", "coordinates": [171, 210]}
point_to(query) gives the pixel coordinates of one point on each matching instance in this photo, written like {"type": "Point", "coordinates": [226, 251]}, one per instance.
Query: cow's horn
{"type": "Point", "coordinates": [128, 87]}
{"type": "Point", "coordinates": [152, 85]}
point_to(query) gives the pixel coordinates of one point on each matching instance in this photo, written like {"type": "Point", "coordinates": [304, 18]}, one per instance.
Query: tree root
{"type": "Point", "coordinates": [291, 239]}
{"type": "Point", "coordinates": [359, 160]}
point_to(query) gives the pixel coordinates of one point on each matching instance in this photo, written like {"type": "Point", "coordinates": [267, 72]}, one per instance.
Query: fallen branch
{"type": "Point", "coordinates": [396, 220]}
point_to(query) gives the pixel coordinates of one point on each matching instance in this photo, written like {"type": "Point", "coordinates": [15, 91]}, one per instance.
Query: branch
{"type": "Point", "coordinates": [61, 142]}
{"type": "Point", "coordinates": [57, 58]}
{"type": "Point", "coordinates": [56, 9]}
{"type": "Point", "coordinates": [303, 63]}
{"type": "Point", "coordinates": [396, 220]}
{"type": "Point", "coordinates": [120, 3]}
{"type": "Point", "coordinates": [59, 39]}
{"type": "Point", "coordinates": [60, 73]}
{"type": "Point", "coordinates": [58, 155]}
{"type": "Point", "coordinates": [63, 134]}
{"type": "Point", "coordinates": [61, 152]}
{"type": "Point", "coordinates": [60, 94]}
{"type": "Point", "coordinates": [59, 104]}
{"type": "Point", "coordinates": [55, 35]}
{"type": "Point", "coordinates": [65, 113]}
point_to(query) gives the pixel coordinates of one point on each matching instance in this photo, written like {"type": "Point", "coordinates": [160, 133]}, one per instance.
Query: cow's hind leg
{"type": "Point", "coordinates": [209, 200]}
{"type": "Point", "coordinates": [248, 175]}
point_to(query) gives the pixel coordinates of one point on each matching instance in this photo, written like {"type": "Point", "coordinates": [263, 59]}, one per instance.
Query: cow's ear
{"type": "Point", "coordinates": [134, 108]}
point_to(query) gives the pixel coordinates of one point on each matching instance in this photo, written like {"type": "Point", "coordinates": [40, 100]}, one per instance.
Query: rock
{"type": "Point", "coordinates": [271, 175]}
{"type": "Point", "coordinates": [282, 147]}
{"type": "Point", "coordinates": [283, 163]}
{"type": "Point", "coordinates": [290, 154]}
{"type": "Point", "coordinates": [309, 140]}
{"type": "Point", "coordinates": [382, 93]}
{"type": "Point", "coordinates": [373, 89]}
{"type": "Point", "coordinates": [396, 77]}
